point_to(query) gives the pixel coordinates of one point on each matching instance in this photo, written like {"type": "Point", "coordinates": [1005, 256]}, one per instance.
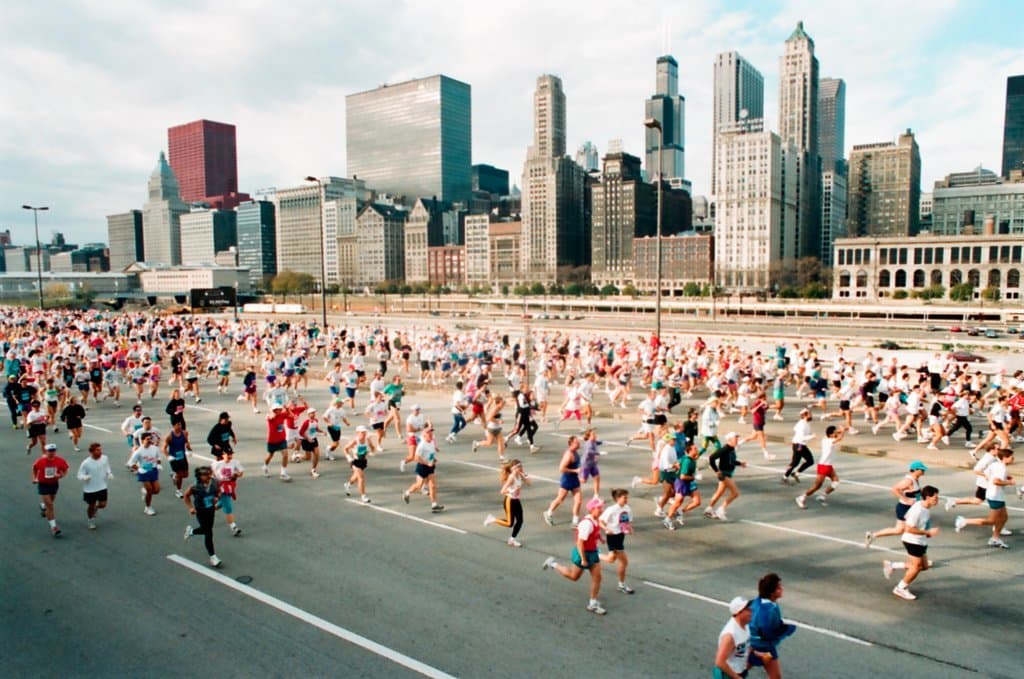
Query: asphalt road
{"type": "Point", "coordinates": [338, 588]}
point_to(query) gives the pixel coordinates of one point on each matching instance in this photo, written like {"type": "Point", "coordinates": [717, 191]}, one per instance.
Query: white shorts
{"type": "Point", "coordinates": [646, 428]}
{"type": "Point", "coordinates": [291, 435]}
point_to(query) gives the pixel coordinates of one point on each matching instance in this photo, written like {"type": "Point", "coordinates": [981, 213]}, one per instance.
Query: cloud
{"type": "Point", "coordinates": [88, 100]}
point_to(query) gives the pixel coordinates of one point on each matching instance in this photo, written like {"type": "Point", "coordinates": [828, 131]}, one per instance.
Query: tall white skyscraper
{"type": "Point", "coordinates": [161, 226]}
{"type": "Point", "coordinates": [553, 230]}
{"type": "Point", "coordinates": [739, 94]}
{"type": "Point", "coordinates": [668, 108]}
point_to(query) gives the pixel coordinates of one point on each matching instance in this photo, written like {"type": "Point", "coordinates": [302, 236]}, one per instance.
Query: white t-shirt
{"type": "Point", "coordinates": [802, 431]}
{"type": "Point", "coordinates": [828, 449]}
{"type": "Point", "coordinates": [585, 528]}
{"type": "Point", "coordinates": [996, 470]}
{"type": "Point", "coordinates": [98, 472]}
{"type": "Point", "coordinates": [981, 466]}
{"type": "Point", "coordinates": [737, 662]}
{"type": "Point", "coordinates": [918, 516]}
{"type": "Point", "coordinates": [616, 519]}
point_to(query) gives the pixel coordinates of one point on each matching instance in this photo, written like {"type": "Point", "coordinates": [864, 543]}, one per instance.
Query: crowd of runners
{"type": "Point", "coordinates": [346, 385]}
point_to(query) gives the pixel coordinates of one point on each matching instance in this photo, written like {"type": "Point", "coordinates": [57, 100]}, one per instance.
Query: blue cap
{"type": "Point", "coordinates": [917, 465]}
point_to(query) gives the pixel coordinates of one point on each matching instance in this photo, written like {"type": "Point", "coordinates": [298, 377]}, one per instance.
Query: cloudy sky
{"type": "Point", "coordinates": [91, 86]}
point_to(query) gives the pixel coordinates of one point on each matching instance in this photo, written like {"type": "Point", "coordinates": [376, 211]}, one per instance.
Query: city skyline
{"type": "Point", "coordinates": [91, 114]}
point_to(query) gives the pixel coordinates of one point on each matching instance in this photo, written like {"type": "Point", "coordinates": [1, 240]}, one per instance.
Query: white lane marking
{"type": "Point", "coordinates": [809, 534]}
{"type": "Point", "coordinates": [93, 426]}
{"type": "Point", "coordinates": [533, 477]}
{"type": "Point", "coordinates": [725, 604]}
{"type": "Point", "coordinates": [407, 516]}
{"type": "Point", "coordinates": [198, 407]}
{"type": "Point", "coordinates": [310, 619]}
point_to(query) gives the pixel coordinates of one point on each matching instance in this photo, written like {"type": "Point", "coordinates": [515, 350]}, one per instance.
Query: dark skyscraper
{"type": "Point", "coordinates": [831, 123]}
{"type": "Point", "coordinates": [1013, 125]}
{"type": "Point", "coordinates": [669, 109]}
{"type": "Point", "coordinates": [205, 161]}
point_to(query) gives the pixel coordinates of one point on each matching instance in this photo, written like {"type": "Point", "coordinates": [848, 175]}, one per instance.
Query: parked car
{"type": "Point", "coordinates": [991, 334]}
{"type": "Point", "coordinates": [956, 328]}
{"type": "Point", "coordinates": [973, 332]}
{"type": "Point", "coordinates": [967, 357]}
{"type": "Point", "coordinates": [934, 328]}
{"type": "Point", "coordinates": [889, 345]}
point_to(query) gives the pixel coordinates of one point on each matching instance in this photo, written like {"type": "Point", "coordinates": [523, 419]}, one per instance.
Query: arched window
{"type": "Point", "coordinates": [844, 279]}
{"type": "Point", "coordinates": [937, 277]}
{"type": "Point", "coordinates": [919, 278]}
{"type": "Point", "coordinates": [884, 278]}
{"type": "Point", "coordinates": [901, 278]}
{"type": "Point", "coordinates": [1013, 278]}
{"type": "Point", "coordinates": [974, 278]}
{"type": "Point", "coordinates": [862, 279]}
{"type": "Point", "coordinates": [994, 278]}
{"type": "Point", "coordinates": [956, 277]}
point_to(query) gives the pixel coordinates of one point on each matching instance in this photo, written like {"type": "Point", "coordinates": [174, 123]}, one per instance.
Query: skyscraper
{"type": "Point", "coordinates": [413, 139]}
{"type": "Point", "coordinates": [1013, 125]}
{"type": "Point", "coordinates": [798, 126]}
{"type": "Point", "coordinates": [739, 94]}
{"type": "Point", "coordinates": [205, 161]}
{"type": "Point", "coordinates": [205, 233]}
{"type": "Point", "coordinates": [587, 157]}
{"type": "Point", "coordinates": [257, 241]}
{"type": "Point", "coordinates": [668, 108]}
{"type": "Point", "coordinates": [885, 188]}
{"type": "Point", "coordinates": [124, 233]}
{"type": "Point", "coordinates": [161, 228]}
{"type": "Point", "coordinates": [831, 140]}
{"type": "Point", "coordinates": [554, 232]}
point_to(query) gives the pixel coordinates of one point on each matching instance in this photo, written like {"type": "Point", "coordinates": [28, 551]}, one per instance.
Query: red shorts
{"type": "Point", "coordinates": [411, 440]}
{"type": "Point", "coordinates": [826, 470]}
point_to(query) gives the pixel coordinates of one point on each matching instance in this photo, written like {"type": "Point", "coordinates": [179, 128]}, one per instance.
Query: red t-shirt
{"type": "Point", "coordinates": [48, 470]}
{"type": "Point", "coordinates": [275, 427]}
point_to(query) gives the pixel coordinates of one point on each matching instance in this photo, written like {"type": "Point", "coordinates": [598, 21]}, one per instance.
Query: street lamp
{"type": "Point", "coordinates": [655, 124]}
{"type": "Point", "coordinates": [323, 256]}
{"type": "Point", "coordinates": [39, 256]}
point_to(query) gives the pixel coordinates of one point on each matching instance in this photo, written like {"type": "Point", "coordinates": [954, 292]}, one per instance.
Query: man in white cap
{"type": "Point", "coordinates": [733, 656]}
{"type": "Point", "coordinates": [415, 423]}
{"type": "Point", "coordinates": [585, 556]}
{"type": "Point", "coordinates": [47, 471]}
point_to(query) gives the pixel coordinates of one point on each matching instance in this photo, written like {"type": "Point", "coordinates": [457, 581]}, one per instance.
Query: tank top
{"type": "Point", "coordinates": [204, 497]}
{"type": "Point", "coordinates": [176, 446]}
{"type": "Point", "coordinates": [913, 494]}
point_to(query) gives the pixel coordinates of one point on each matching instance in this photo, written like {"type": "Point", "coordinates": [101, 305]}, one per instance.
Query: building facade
{"type": "Point", "coordinates": [380, 236]}
{"type": "Point", "coordinates": [587, 157]}
{"type": "Point", "coordinates": [669, 109]}
{"type": "Point", "coordinates": [884, 188]}
{"type": "Point", "coordinates": [1013, 126]}
{"type": "Point", "coordinates": [833, 211]}
{"type": "Point", "coordinates": [879, 267]}
{"type": "Point", "coordinates": [505, 258]}
{"type": "Point", "coordinates": [831, 149]}
{"type": "Point", "coordinates": [964, 203]}
{"type": "Point", "coordinates": [412, 139]}
{"type": "Point", "coordinates": [490, 179]}
{"type": "Point", "coordinates": [124, 234]}
{"type": "Point", "coordinates": [161, 226]}
{"type": "Point", "coordinates": [446, 265]}
{"type": "Point", "coordinates": [257, 241]}
{"type": "Point", "coordinates": [738, 95]}
{"type": "Point", "coordinates": [685, 258]}
{"type": "Point", "coordinates": [204, 233]}
{"type": "Point", "coordinates": [478, 261]}
{"type": "Point", "coordinates": [554, 232]}
{"type": "Point", "coordinates": [204, 158]}
{"type": "Point", "coordinates": [755, 225]}
{"type": "Point", "coordinates": [424, 229]}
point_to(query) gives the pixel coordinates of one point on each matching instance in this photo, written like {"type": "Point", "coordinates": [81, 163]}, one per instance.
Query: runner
{"type": "Point", "coordinates": [996, 477]}
{"type": "Point", "coordinates": [568, 483]}
{"type": "Point", "coordinates": [685, 487]}
{"type": "Point", "coordinates": [277, 440]}
{"type": "Point", "coordinates": [36, 421]}
{"type": "Point", "coordinates": [826, 470]}
{"type": "Point", "coordinates": [145, 462]}
{"type": "Point", "coordinates": [309, 442]}
{"type": "Point", "coordinates": [334, 416]}
{"type": "Point", "coordinates": [733, 656]}
{"type": "Point", "coordinates": [201, 500]}
{"type": "Point", "coordinates": [459, 405]}
{"type": "Point", "coordinates": [513, 478]}
{"type": "Point", "coordinates": [222, 437]}
{"type": "Point", "coordinates": [72, 416]}
{"type": "Point", "coordinates": [585, 555]}
{"type": "Point", "coordinates": [47, 471]}
{"type": "Point", "coordinates": [767, 628]}
{"type": "Point", "coordinates": [724, 462]}
{"type": "Point", "coordinates": [907, 491]}
{"type": "Point", "coordinates": [177, 448]}
{"type": "Point", "coordinates": [591, 453]}
{"type": "Point", "coordinates": [226, 471]}
{"type": "Point", "coordinates": [94, 472]}
{"type": "Point", "coordinates": [918, 529]}
{"type": "Point", "coordinates": [426, 464]}
{"type": "Point", "coordinates": [615, 521]}
{"type": "Point", "coordinates": [801, 453]}
{"type": "Point", "coordinates": [415, 423]}
{"type": "Point", "coordinates": [356, 452]}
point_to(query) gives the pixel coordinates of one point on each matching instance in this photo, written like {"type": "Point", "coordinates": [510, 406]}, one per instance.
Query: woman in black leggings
{"type": "Point", "coordinates": [201, 500]}
{"type": "Point", "coordinates": [512, 480]}
{"type": "Point", "coordinates": [525, 424]}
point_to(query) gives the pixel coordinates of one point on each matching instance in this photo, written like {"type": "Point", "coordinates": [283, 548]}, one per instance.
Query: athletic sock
{"type": "Point", "coordinates": [53, 523]}
{"type": "Point", "coordinates": [898, 565]}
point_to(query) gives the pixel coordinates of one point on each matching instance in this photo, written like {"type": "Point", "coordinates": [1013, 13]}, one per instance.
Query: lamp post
{"type": "Point", "coordinates": [655, 124]}
{"type": "Point", "coordinates": [39, 255]}
{"type": "Point", "coordinates": [323, 256]}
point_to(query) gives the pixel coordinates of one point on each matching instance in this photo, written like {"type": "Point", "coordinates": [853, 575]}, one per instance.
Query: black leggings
{"type": "Point", "coordinates": [525, 424]}
{"type": "Point", "coordinates": [205, 518]}
{"type": "Point", "coordinates": [513, 515]}
{"type": "Point", "coordinates": [962, 423]}
{"type": "Point", "coordinates": [800, 452]}
{"type": "Point", "coordinates": [13, 407]}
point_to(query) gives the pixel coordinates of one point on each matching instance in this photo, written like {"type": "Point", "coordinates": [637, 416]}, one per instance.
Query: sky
{"type": "Point", "coordinates": [91, 86]}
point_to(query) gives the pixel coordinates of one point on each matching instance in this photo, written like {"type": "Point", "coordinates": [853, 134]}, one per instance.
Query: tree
{"type": "Point", "coordinates": [964, 292]}
{"type": "Point", "coordinates": [537, 288]}
{"type": "Point", "coordinates": [609, 290]}
{"type": "Point", "coordinates": [814, 290]}
{"type": "Point", "coordinates": [932, 292]}
{"type": "Point", "coordinates": [900, 294]}
{"type": "Point", "coordinates": [521, 290]}
{"type": "Point", "coordinates": [504, 289]}
{"type": "Point", "coordinates": [556, 289]}
{"type": "Point", "coordinates": [630, 291]}
{"type": "Point", "coordinates": [990, 294]}
{"type": "Point", "coordinates": [691, 289]}
{"type": "Point", "coordinates": [574, 289]}
{"type": "Point", "coordinates": [56, 294]}
{"type": "Point", "coordinates": [84, 296]}
{"type": "Point", "coordinates": [289, 282]}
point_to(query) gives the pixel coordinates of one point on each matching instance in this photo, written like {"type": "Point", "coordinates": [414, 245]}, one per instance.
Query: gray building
{"type": "Point", "coordinates": [412, 139]}
{"type": "Point", "coordinates": [976, 202]}
{"type": "Point", "coordinates": [739, 95]}
{"type": "Point", "coordinates": [161, 227]}
{"type": "Point", "coordinates": [831, 140]}
{"type": "Point", "coordinates": [587, 157]}
{"type": "Point", "coordinates": [668, 108]}
{"type": "Point", "coordinates": [1013, 126]}
{"type": "Point", "coordinates": [124, 233]}
{"type": "Point", "coordinates": [884, 188]}
{"type": "Point", "coordinates": [491, 179]}
{"type": "Point", "coordinates": [380, 233]}
{"type": "Point", "coordinates": [424, 229]}
{"type": "Point", "coordinates": [204, 233]}
{"type": "Point", "coordinates": [257, 240]}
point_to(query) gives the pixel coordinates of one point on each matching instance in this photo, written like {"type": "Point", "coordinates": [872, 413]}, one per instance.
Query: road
{"type": "Point", "coordinates": [338, 588]}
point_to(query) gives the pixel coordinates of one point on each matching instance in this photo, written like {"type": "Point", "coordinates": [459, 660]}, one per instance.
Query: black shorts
{"type": "Point", "coordinates": [334, 433]}
{"type": "Point", "coordinates": [979, 493]}
{"type": "Point", "coordinates": [660, 419]}
{"type": "Point", "coordinates": [37, 430]}
{"type": "Point", "coordinates": [309, 446]}
{"type": "Point", "coordinates": [47, 488]}
{"type": "Point", "coordinates": [378, 425]}
{"type": "Point", "coordinates": [179, 466]}
{"type": "Point", "coordinates": [616, 542]}
{"type": "Point", "coordinates": [424, 471]}
{"type": "Point", "coordinates": [274, 447]}
{"type": "Point", "coordinates": [916, 550]}
{"type": "Point", "coordinates": [359, 463]}
{"type": "Point", "coordinates": [844, 405]}
{"type": "Point", "coordinates": [97, 496]}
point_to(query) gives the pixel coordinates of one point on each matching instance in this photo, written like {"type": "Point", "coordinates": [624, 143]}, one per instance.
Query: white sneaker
{"type": "Point", "coordinates": [548, 519]}
{"type": "Point", "coordinates": [778, 418]}
{"type": "Point", "coordinates": [214, 561]}
{"type": "Point", "coordinates": [852, 432]}
{"type": "Point", "coordinates": [314, 473]}
{"type": "Point", "coordinates": [932, 446]}
{"type": "Point", "coordinates": [667, 523]}
{"type": "Point", "coordinates": [512, 542]}
{"type": "Point", "coordinates": [519, 440]}
{"type": "Point", "coordinates": [945, 439]}
{"type": "Point", "coordinates": [903, 593]}
{"type": "Point", "coordinates": [874, 429]}
{"type": "Point", "coordinates": [950, 503]}
{"type": "Point", "coordinates": [401, 466]}
{"type": "Point", "coordinates": [595, 608]}
{"type": "Point", "coordinates": [1020, 492]}
{"type": "Point", "coordinates": [709, 513]}
{"type": "Point", "coordinates": [548, 563]}
{"type": "Point", "coordinates": [284, 476]}
{"type": "Point", "coordinates": [1006, 531]}
{"type": "Point", "coordinates": [898, 436]}
{"type": "Point", "coordinates": [959, 524]}
{"type": "Point", "coordinates": [659, 512]}
{"type": "Point", "coordinates": [575, 521]}
{"type": "Point", "coordinates": [720, 514]}
{"type": "Point", "coordinates": [489, 519]}
{"type": "Point", "coordinates": [822, 500]}
{"type": "Point", "coordinates": [266, 470]}
{"type": "Point", "coordinates": [869, 537]}
{"type": "Point", "coordinates": [189, 532]}
{"type": "Point", "coordinates": [968, 444]}
{"type": "Point", "coordinates": [698, 477]}
{"type": "Point", "coordinates": [534, 449]}
{"type": "Point", "coordinates": [178, 494]}
{"type": "Point", "coordinates": [801, 501]}
{"type": "Point", "coordinates": [149, 511]}
{"type": "Point", "coordinates": [348, 489]}
{"type": "Point", "coordinates": [996, 542]}
{"type": "Point", "coordinates": [767, 456]}
{"type": "Point", "coordinates": [887, 569]}
{"type": "Point", "coordinates": [365, 499]}
{"type": "Point", "coordinates": [636, 482]}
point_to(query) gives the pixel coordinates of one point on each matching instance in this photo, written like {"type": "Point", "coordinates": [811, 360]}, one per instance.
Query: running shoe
{"type": "Point", "coordinates": [959, 524]}
{"type": "Point", "coordinates": [720, 514]}
{"type": "Point", "coordinates": [348, 489]}
{"type": "Point", "coordinates": [56, 531]}
{"type": "Point", "coordinates": [822, 500]}
{"type": "Point", "coordinates": [1006, 531]}
{"type": "Point", "coordinates": [903, 593]}
{"type": "Point", "coordinates": [534, 449]}
{"type": "Point", "coordinates": [950, 503]}
{"type": "Point", "coordinates": [874, 429]}
{"type": "Point", "coordinates": [365, 499]}
{"type": "Point", "coordinates": [405, 497]}
{"type": "Point", "coordinates": [512, 542]}
{"type": "Point", "coordinates": [887, 569]}
{"type": "Point", "coordinates": [795, 477]}
{"type": "Point", "coordinates": [548, 563]}
{"type": "Point", "coordinates": [709, 513]}
{"type": "Point", "coordinates": [266, 470]}
{"type": "Point", "coordinates": [424, 491]}
{"type": "Point", "coordinates": [625, 589]}
{"type": "Point", "coordinates": [149, 511]}
{"type": "Point", "coordinates": [595, 607]}
{"type": "Point", "coordinates": [636, 482]}
{"type": "Point", "coordinates": [575, 521]}
{"type": "Point", "coordinates": [680, 521]}
{"type": "Point", "coordinates": [489, 519]}
{"type": "Point", "coordinates": [142, 491]}
{"type": "Point", "coordinates": [968, 444]}
{"type": "Point", "coordinates": [801, 501]}
{"type": "Point", "coordinates": [996, 542]}
{"type": "Point", "coordinates": [898, 436]}
{"type": "Point", "coordinates": [401, 466]}
{"type": "Point", "coordinates": [236, 531]}
{"type": "Point", "coordinates": [436, 509]}
{"type": "Point", "coordinates": [42, 510]}
{"type": "Point", "coordinates": [767, 456]}
{"type": "Point", "coordinates": [284, 476]}
{"type": "Point", "coordinates": [667, 523]}
{"type": "Point", "coordinates": [476, 445]}
{"type": "Point", "coordinates": [330, 458]}
{"type": "Point", "coordinates": [314, 473]}
{"type": "Point", "coordinates": [215, 562]}
{"type": "Point", "coordinates": [178, 494]}
{"type": "Point", "coordinates": [945, 439]}
{"type": "Point", "coordinates": [548, 519]}
{"type": "Point", "coordinates": [974, 455]}
{"type": "Point", "coordinates": [658, 511]}
{"type": "Point", "coordinates": [189, 531]}
{"type": "Point", "coordinates": [92, 525]}
{"type": "Point", "coordinates": [869, 537]}
{"type": "Point", "coordinates": [519, 440]}
{"type": "Point", "coordinates": [1020, 492]}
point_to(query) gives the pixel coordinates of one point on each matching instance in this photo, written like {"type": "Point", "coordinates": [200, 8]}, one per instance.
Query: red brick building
{"type": "Point", "coordinates": [205, 161]}
{"type": "Point", "coordinates": [446, 265]}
